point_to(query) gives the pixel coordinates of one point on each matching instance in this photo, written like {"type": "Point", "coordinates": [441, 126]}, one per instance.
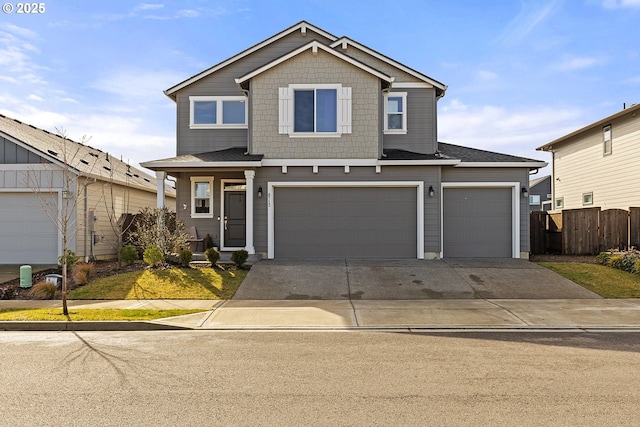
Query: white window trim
{"type": "Point", "coordinates": [558, 203]}
{"type": "Point", "coordinates": [195, 179]}
{"type": "Point", "coordinates": [218, 100]}
{"type": "Point", "coordinates": [402, 131]}
{"type": "Point", "coordinates": [418, 185]}
{"type": "Point", "coordinates": [287, 108]}
{"type": "Point", "coordinates": [584, 200]}
{"type": "Point", "coordinates": [606, 152]}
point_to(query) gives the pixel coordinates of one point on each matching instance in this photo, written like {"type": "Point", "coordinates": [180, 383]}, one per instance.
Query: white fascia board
{"type": "Point", "coordinates": [453, 162]}
{"type": "Point", "coordinates": [411, 85]}
{"type": "Point", "coordinates": [389, 61]}
{"type": "Point", "coordinates": [502, 165]}
{"type": "Point", "coordinates": [172, 165]}
{"type": "Point", "coordinates": [319, 162]}
{"type": "Point", "coordinates": [315, 45]}
{"type": "Point", "coordinates": [300, 26]}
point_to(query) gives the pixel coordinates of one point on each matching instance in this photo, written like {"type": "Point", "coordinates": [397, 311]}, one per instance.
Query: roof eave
{"type": "Point", "coordinates": [531, 164]}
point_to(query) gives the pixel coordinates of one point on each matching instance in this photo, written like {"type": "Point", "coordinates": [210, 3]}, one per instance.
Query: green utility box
{"type": "Point", "coordinates": [25, 276]}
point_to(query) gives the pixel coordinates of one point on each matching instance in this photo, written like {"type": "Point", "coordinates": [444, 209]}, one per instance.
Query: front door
{"type": "Point", "coordinates": [234, 219]}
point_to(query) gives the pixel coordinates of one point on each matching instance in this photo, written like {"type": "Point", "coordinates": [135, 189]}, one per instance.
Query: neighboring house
{"type": "Point", "coordinates": [310, 145]}
{"type": "Point", "coordinates": [540, 194]}
{"type": "Point", "coordinates": [32, 194]}
{"type": "Point", "coordinates": [597, 165]}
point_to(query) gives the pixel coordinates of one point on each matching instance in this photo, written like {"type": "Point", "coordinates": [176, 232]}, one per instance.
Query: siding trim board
{"type": "Point", "coordinates": [419, 186]}
{"type": "Point", "coordinates": [515, 209]}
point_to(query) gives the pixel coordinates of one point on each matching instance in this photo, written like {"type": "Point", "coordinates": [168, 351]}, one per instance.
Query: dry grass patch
{"type": "Point", "coordinates": [174, 283]}
{"type": "Point", "coordinates": [52, 314]}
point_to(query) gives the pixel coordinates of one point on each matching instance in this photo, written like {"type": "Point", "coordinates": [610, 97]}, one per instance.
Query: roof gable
{"type": "Point", "coordinates": [82, 159]}
{"type": "Point", "coordinates": [345, 42]}
{"type": "Point", "coordinates": [314, 46]}
{"type": "Point", "coordinates": [301, 26]}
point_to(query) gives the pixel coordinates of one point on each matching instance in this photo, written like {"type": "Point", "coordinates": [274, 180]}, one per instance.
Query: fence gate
{"type": "Point", "coordinates": [634, 227]}
{"type": "Point", "coordinates": [614, 229]}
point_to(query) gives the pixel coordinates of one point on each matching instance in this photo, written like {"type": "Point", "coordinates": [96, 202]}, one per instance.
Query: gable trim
{"type": "Point", "coordinates": [303, 26]}
{"type": "Point", "coordinates": [344, 42]}
{"type": "Point", "coordinates": [314, 46]}
{"type": "Point", "coordinates": [34, 150]}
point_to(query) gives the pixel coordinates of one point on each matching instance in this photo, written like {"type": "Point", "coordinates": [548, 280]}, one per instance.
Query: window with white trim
{"type": "Point", "coordinates": [606, 140]}
{"type": "Point", "coordinates": [587, 199]}
{"type": "Point", "coordinates": [211, 112]}
{"type": "Point", "coordinates": [395, 112]}
{"type": "Point", "coordinates": [560, 203]}
{"type": "Point", "coordinates": [314, 110]}
{"type": "Point", "coordinates": [201, 197]}
{"type": "Point", "coordinates": [534, 199]}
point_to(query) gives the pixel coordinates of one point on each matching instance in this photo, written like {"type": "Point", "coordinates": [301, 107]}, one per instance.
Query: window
{"type": "Point", "coordinates": [606, 138]}
{"type": "Point", "coordinates": [314, 110]}
{"type": "Point", "coordinates": [395, 112]}
{"type": "Point", "coordinates": [560, 203]}
{"type": "Point", "coordinates": [587, 199]}
{"type": "Point", "coordinates": [534, 199]}
{"type": "Point", "coordinates": [201, 197]}
{"type": "Point", "coordinates": [210, 112]}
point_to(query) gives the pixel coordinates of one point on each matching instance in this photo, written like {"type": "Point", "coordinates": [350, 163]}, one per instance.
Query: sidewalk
{"type": "Point", "coordinates": [407, 315]}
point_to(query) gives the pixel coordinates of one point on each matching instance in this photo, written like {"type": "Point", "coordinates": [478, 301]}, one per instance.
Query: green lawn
{"type": "Point", "coordinates": [605, 281]}
{"type": "Point", "coordinates": [48, 314]}
{"type": "Point", "coordinates": [174, 283]}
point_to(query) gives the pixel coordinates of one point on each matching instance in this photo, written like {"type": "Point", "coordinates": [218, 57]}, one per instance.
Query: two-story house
{"type": "Point", "coordinates": [312, 145]}
{"type": "Point", "coordinates": [597, 165]}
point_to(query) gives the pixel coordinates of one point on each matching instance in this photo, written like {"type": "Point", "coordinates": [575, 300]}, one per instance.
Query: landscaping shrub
{"type": "Point", "coordinates": [636, 267]}
{"type": "Point", "coordinates": [185, 257]}
{"type": "Point", "coordinates": [43, 290]}
{"type": "Point", "coordinates": [71, 259]}
{"type": "Point", "coordinates": [615, 261]}
{"type": "Point", "coordinates": [152, 256]}
{"type": "Point", "coordinates": [147, 233]}
{"type": "Point", "coordinates": [8, 292]}
{"type": "Point", "coordinates": [128, 254]}
{"type": "Point", "coordinates": [213, 256]}
{"type": "Point", "coordinates": [239, 257]}
{"type": "Point", "coordinates": [625, 261]}
{"type": "Point", "coordinates": [82, 272]}
{"type": "Point", "coordinates": [603, 258]}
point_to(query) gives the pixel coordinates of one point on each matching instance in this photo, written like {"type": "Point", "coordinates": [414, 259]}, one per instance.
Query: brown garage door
{"type": "Point", "coordinates": [359, 222]}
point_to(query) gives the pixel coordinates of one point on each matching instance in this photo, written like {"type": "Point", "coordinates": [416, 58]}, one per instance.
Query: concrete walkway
{"type": "Point", "coordinates": [407, 315]}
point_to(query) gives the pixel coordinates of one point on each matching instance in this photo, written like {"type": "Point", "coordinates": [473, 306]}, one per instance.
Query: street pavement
{"type": "Point", "coordinates": [409, 315]}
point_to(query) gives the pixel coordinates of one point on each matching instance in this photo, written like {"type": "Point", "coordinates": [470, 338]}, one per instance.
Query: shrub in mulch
{"type": "Point", "coordinates": [622, 260]}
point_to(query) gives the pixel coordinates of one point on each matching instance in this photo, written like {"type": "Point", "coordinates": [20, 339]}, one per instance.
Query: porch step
{"type": "Point", "coordinates": [225, 258]}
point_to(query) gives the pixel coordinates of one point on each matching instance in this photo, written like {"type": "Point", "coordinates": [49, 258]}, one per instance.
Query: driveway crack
{"type": "Point", "coordinates": [355, 314]}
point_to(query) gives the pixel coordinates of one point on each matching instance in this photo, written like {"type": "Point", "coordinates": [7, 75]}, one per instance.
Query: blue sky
{"type": "Point", "coordinates": [520, 73]}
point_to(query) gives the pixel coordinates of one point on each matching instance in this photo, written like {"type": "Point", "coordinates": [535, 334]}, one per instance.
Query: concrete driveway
{"type": "Point", "coordinates": [357, 279]}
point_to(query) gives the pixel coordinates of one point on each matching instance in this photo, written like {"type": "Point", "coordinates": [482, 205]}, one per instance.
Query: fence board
{"type": "Point", "coordinates": [580, 234]}
{"type": "Point", "coordinates": [538, 227]}
{"type": "Point", "coordinates": [614, 229]}
{"type": "Point", "coordinates": [634, 227]}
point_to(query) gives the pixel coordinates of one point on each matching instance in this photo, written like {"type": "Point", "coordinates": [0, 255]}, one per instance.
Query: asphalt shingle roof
{"type": "Point", "coordinates": [84, 159]}
{"type": "Point", "coordinates": [473, 155]}
{"type": "Point", "coordinates": [235, 154]}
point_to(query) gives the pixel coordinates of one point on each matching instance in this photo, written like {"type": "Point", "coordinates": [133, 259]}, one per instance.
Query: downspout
{"type": "Point", "coordinates": [86, 220]}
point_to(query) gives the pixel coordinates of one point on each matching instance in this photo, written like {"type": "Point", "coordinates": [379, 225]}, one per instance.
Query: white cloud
{"type": "Point", "coordinates": [34, 97]}
{"type": "Point", "coordinates": [137, 83]}
{"type": "Point", "coordinates": [571, 63]}
{"type": "Point", "coordinates": [486, 75]}
{"type": "Point", "coordinates": [621, 4]}
{"type": "Point", "coordinates": [530, 16]}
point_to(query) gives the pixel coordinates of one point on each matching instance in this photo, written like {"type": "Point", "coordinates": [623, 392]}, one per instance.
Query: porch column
{"type": "Point", "coordinates": [249, 176]}
{"type": "Point", "coordinates": [160, 176]}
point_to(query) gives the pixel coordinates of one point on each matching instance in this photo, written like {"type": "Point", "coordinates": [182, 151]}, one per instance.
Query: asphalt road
{"type": "Point", "coordinates": [196, 378]}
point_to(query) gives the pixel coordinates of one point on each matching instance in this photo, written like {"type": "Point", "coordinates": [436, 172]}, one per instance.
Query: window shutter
{"type": "Point", "coordinates": [344, 110]}
{"type": "Point", "coordinates": [285, 110]}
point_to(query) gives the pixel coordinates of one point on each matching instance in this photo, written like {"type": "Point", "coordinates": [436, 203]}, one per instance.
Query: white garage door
{"type": "Point", "coordinates": [27, 234]}
{"type": "Point", "coordinates": [369, 222]}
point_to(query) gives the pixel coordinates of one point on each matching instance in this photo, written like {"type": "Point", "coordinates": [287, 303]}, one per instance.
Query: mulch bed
{"type": "Point", "coordinates": [587, 259]}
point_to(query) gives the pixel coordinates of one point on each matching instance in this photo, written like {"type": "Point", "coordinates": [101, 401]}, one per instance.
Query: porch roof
{"type": "Point", "coordinates": [231, 157]}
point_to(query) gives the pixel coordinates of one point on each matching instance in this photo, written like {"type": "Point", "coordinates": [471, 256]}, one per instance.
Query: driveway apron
{"type": "Point", "coordinates": [359, 279]}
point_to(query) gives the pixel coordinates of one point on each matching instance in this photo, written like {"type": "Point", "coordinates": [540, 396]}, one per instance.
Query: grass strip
{"type": "Point", "coordinates": [605, 281]}
{"type": "Point", "coordinates": [48, 314]}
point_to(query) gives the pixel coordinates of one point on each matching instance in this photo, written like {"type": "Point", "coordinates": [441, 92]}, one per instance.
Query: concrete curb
{"type": "Point", "coordinates": [87, 326]}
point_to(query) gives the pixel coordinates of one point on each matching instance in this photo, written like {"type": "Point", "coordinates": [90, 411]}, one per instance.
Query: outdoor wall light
{"type": "Point", "coordinates": [259, 192]}
{"type": "Point", "coordinates": [184, 206]}
{"type": "Point", "coordinates": [431, 192]}
{"type": "Point", "coordinates": [525, 192]}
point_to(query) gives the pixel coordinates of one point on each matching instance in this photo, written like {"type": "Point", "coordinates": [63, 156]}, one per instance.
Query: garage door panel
{"type": "Point", "coordinates": [345, 221]}
{"type": "Point", "coordinates": [477, 222]}
{"type": "Point", "coordinates": [27, 234]}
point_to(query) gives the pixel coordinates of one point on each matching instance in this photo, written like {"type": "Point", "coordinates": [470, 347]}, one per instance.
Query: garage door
{"type": "Point", "coordinates": [27, 234]}
{"type": "Point", "coordinates": [362, 222]}
{"type": "Point", "coordinates": [477, 222]}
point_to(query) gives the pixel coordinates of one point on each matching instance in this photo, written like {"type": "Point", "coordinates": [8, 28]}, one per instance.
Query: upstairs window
{"type": "Point", "coordinates": [210, 112]}
{"type": "Point", "coordinates": [395, 112]}
{"type": "Point", "coordinates": [319, 110]}
{"type": "Point", "coordinates": [606, 138]}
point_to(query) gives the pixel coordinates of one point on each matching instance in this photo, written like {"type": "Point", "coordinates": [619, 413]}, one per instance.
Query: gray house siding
{"type": "Point", "coordinates": [421, 123]}
{"type": "Point", "coordinates": [222, 83]}
{"type": "Point", "coordinates": [11, 154]}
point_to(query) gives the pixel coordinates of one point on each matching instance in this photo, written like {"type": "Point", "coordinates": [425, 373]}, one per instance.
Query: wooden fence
{"type": "Point", "coordinates": [584, 231]}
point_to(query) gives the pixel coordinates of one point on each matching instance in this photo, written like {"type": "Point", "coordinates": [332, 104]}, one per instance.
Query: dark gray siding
{"type": "Point", "coordinates": [542, 189]}
{"type": "Point", "coordinates": [421, 133]}
{"type": "Point", "coordinates": [520, 175]}
{"type": "Point", "coordinates": [345, 222]}
{"type": "Point", "coordinates": [222, 83]}
{"type": "Point", "coordinates": [477, 222]}
{"type": "Point", "coordinates": [11, 154]}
